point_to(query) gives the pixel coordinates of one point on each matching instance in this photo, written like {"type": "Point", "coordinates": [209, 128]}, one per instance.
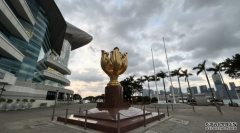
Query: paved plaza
{"type": "Point", "coordinates": [38, 120]}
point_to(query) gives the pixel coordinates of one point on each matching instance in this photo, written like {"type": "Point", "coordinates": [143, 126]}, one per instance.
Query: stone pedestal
{"type": "Point", "coordinates": [104, 116]}
{"type": "Point", "coordinates": [113, 99]}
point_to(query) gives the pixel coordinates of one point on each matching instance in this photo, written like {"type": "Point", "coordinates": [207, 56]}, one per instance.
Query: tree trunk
{"type": "Point", "coordinates": [190, 90]}
{"type": "Point", "coordinates": [165, 91]}
{"type": "Point", "coordinates": [180, 89]}
{"type": "Point", "coordinates": [225, 87]}
{"type": "Point", "coordinates": [209, 84]}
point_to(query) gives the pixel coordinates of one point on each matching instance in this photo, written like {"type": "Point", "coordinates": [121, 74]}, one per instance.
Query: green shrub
{"type": "Point", "coordinates": [154, 99]}
{"type": "Point", "coordinates": [2, 100]}
{"type": "Point", "coordinates": [17, 100]}
{"type": "Point", "coordinates": [139, 99]}
{"type": "Point", "coordinates": [146, 98]}
{"type": "Point", "coordinates": [32, 100]}
{"type": "Point", "coordinates": [25, 100]}
{"type": "Point", "coordinates": [9, 101]}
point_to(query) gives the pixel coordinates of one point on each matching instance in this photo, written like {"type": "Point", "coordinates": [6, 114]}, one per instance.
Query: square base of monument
{"type": "Point", "coordinates": [130, 119]}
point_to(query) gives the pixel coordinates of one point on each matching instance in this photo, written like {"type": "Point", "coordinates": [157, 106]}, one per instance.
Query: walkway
{"type": "Point", "coordinates": [39, 120]}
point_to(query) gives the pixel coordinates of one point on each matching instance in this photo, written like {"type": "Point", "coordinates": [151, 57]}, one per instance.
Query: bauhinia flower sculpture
{"type": "Point", "coordinates": [114, 66]}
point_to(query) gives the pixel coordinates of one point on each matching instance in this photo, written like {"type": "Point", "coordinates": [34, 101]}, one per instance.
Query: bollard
{"type": "Point", "coordinates": [193, 108]}
{"type": "Point", "coordinates": [167, 111]}
{"type": "Point", "coordinates": [85, 126]}
{"type": "Point", "coordinates": [144, 118]}
{"type": "Point", "coordinates": [155, 107]}
{"type": "Point", "coordinates": [66, 116]}
{"type": "Point", "coordinates": [118, 123]}
{"type": "Point", "coordinates": [158, 115]}
{"type": "Point", "coordinates": [79, 109]}
{"type": "Point", "coordinates": [172, 107]}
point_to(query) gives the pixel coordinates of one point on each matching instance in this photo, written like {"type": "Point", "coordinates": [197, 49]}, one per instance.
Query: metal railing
{"type": "Point", "coordinates": [118, 116]}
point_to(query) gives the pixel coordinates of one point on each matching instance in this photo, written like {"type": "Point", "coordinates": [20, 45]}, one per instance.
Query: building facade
{"type": "Point", "coordinates": [203, 88]}
{"type": "Point", "coordinates": [193, 91]}
{"type": "Point", "coordinates": [218, 82]}
{"type": "Point", "coordinates": [36, 43]}
{"type": "Point", "coordinates": [176, 91]}
{"type": "Point", "coordinates": [232, 85]}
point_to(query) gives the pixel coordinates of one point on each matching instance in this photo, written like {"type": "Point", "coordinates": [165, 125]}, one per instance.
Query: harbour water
{"type": "Point", "coordinates": [225, 101]}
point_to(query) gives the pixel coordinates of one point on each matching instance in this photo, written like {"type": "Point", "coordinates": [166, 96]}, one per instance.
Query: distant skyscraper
{"type": "Point", "coordinates": [232, 85]}
{"type": "Point", "coordinates": [176, 90]}
{"type": "Point", "coordinates": [211, 89]}
{"type": "Point", "coordinates": [152, 93]}
{"type": "Point", "coordinates": [156, 93]}
{"type": "Point", "coordinates": [218, 82]}
{"type": "Point", "coordinates": [224, 89]}
{"type": "Point", "coordinates": [145, 92]}
{"type": "Point", "coordinates": [162, 92]}
{"type": "Point", "coordinates": [193, 90]}
{"type": "Point", "coordinates": [203, 88]}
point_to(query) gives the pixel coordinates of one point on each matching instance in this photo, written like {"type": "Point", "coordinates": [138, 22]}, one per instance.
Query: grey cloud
{"type": "Point", "coordinates": [91, 76]}
{"type": "Point", "coordinates": [176, 58]}
{"type": "Point", "coordinates": [194, 30]}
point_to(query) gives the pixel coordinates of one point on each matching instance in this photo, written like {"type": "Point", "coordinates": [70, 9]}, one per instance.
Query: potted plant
{"type": "Point", "coordinates": [24, 103]}
{"type": "Point", "coordinates": [9, 104]}
{"type": "Point", "coordinates": [16, 105]}
{"type": "Point", "coordinates": [1, 103]}
{"type": "Point", "coordinates": [30, 104]}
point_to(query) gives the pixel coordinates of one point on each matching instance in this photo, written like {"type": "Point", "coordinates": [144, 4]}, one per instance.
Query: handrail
{"type": "Point", "coordinates": [51, 58]}
{"type": "Point", "coordinates": [55, 74]}
{"type": "Point", "coordinates": [10, 44]}
{"type": "Point", "coordinates": [16, 18]}
{"type": "Point", "coordinates": [29, 9]}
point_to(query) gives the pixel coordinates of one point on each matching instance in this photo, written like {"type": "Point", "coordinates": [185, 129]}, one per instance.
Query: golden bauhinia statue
{"type": "Point", "coordinates": [114, 66]}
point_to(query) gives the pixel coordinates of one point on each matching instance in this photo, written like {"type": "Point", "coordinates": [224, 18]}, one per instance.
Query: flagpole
{"type": "Point", "coordinates": [155, 76]}
{"type": "Point", "coordinates": [169, 72]}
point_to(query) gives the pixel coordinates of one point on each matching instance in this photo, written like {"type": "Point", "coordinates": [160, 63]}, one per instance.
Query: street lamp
{"type": "Point", "coordinates": [2, 89]}
{"type": "Point", "coordinates": [56, 95]}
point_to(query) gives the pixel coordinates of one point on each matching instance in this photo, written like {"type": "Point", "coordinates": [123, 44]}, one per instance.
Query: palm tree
{"type": "Point", "coordinates": [232, 66]}
{"type": "Point", "coordinates": [201, 67]}
{"type": "Point", "coordinates": [186, 75]}
{"type": "Point", "coordinates": [148, 79]}
{"type": "Point", "coordinates": [131, 79]}
{"type": "Point", "coordinates": [218, 68]}
{"type": "Point", "coordinates": [177, 73]}
{"type": "Point", "coordinates": [163, 75]}
{"type": "Point", "coordinates": [141, 80]}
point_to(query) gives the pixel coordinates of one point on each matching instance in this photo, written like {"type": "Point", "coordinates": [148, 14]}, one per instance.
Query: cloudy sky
{"type": "Point", "coordinates": [194, 30]}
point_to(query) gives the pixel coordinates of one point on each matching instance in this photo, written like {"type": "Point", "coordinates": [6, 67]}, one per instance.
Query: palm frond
{"type": "Point", "coordinates": [211, 69]}
{"type": "Point", "coordinates": [196, 68]}
{"type": "Point", "coordinates": [214, 64]}
{"type": "Point", "coordinates": [198, 72]}
{"type": "Point", "coordinates": [179, 69]}
{"type": "Point", "coordinates": [204, 62]}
